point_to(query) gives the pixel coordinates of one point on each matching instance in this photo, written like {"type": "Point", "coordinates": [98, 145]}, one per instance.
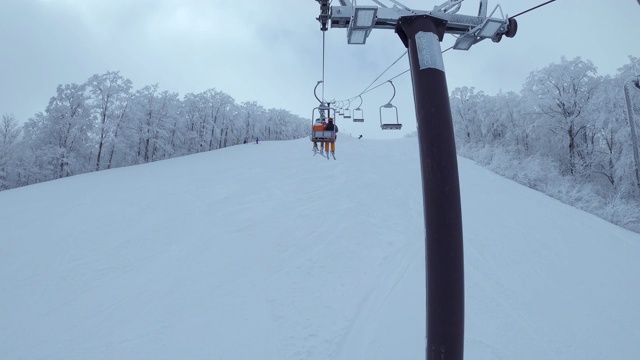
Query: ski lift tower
{"type": "Point", "coordinates": [421, 31]}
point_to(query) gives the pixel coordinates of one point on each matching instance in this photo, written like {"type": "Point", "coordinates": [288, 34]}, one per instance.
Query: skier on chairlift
{"type": "Point", "coordinates": [319, 125]}
{"type": "Point", "coordinates": [331, 127]}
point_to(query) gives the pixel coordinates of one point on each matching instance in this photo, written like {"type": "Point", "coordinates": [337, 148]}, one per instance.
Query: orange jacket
{"type": "Point", "coordinates": [318, 127]}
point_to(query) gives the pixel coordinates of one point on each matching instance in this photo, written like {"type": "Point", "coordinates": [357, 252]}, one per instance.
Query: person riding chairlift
{"type": "Point", "coordinates": [319, 126]}
{"type": "Point", "coordinates": [331, 127]}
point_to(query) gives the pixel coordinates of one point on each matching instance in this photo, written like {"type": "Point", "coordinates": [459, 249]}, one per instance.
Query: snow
{"type": "Point", "coordinates": [268, 252]}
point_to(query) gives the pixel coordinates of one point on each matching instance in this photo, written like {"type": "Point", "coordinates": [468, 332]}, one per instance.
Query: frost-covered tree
{"type": "Point", "coordinates": [216, 104]}
{"type": "Point", "coordinates": [607, 120]}
{"type": "Point", "coordinates": [502, 122]}
{"type": "Point", "coordinates": [110, 93]}
{"type": "Point", "coordinates": [466, 107]}
{"type": "Point", "coordinates": [9, 133]}
{"type": "Point", "coordinates": [118, 126]}
{"type": "Point", "coordinates": [191, 113]}
{"type": "Point", "coordinates": [60, 136]}
{"type": "Point", "coordinates": [154, 115]}
{"type": "Point", "coordinates": [566, 134]}
{"type": "Point", "coordinates": [226, 113]}
{"type": "Point", "coordinates": [279, 124]}
{"type": "Point", "coordinates": [168, 110]}
{"type": "Point", "coordinates": [562, 92]}
{"type": "Point", "coordinates": [205, 114]}
{"type": "Point", "coordinates": [103, 124]}
{"type": "Point", "coordinates": [254, 118]}
{"type": "Point", "coordinates": [233, 126]}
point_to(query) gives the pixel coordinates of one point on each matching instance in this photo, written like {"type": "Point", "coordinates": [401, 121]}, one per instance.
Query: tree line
{"type": "Point", "coordinates": [104, 124]}
{"type": "Point", "coordinates": [567, 134]}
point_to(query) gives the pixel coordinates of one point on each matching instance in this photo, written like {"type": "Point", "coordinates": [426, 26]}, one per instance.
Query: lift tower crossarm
{"type": "Point", "coordinates": [360, 20]}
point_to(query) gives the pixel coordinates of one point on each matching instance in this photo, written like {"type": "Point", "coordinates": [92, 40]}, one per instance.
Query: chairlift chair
{"type": "Point", "coordinates": [324, 107]}
{"type": "Point", "coordinates": [358, 114]}
{"type": "Point", "coordinates": [390, 125]}
{"type": "Point", "coordinates": [340, 108]}
{"type": "Point", "coordinates": [322, 135]}
{"type": "Point", "coordinates": [347, 112]}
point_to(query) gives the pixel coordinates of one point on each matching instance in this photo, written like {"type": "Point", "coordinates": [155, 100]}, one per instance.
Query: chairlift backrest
{"type": "Point", "coordinates": [323, 136]}
{"type": "Point", "coordinates": [316, 114]}
{"type": "Point", "coordinates": [358, 115]}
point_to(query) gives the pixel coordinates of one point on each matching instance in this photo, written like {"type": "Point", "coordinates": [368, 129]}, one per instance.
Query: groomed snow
{"type": "Point", "coordinates": [267, 252]}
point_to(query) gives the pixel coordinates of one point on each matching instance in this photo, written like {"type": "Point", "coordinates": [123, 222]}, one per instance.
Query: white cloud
{"type": "Point", "coordinates": [271, 51]}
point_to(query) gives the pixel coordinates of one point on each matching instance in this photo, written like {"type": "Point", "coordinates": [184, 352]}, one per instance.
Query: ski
{"type": "Point", "coordinates": [316, 152]}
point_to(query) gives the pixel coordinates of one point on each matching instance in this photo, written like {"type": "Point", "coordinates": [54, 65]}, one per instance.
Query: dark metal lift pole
{"type": "Point", "coordinates": [422, 34]}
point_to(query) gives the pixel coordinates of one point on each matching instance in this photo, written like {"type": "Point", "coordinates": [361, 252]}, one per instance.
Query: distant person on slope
{"type": "Point", "coordinates": [331, 127]}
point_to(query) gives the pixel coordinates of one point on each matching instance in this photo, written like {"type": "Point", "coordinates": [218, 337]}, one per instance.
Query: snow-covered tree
{"type": "Point", "coordinates": [466, 107]}
{"type": "Point", "coordinates": [110, 93]}
{"type": "Point", "coordinates": [154, 115]}
{"type": "Point", "coordinates": [60, 136]}
{"type": "Point", "coordinates": [205, 114]}
{"type": "Point", "coordinates": [562, 92]}
{"type": "Point", "coordinates": [606, 114]}
{"type": "Point", "coordinates": [254, 119]}
{"type": "Point", "coordinates": [9, 133]}
{"type": "Point", "coordinates": [103, 124]}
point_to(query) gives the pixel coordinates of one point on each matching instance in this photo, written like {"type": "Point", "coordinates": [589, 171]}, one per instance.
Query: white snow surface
{"type": "Point", "coordinates": [268, 252]}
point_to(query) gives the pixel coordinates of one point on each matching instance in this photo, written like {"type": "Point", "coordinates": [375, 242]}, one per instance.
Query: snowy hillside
{"type": "Point", "coordinates": [267, 252]}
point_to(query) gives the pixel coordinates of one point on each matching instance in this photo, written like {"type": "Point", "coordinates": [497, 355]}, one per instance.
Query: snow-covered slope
{"type": "Point", "coordinates": [267, 252]}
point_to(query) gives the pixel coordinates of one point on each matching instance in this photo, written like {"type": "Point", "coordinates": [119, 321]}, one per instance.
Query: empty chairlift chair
{"type": "Point", "coordinates": [347, 112]}
{"type": "Point", "coordinates": [358, 114]}
{"type": "Point", "coordinates": [390, 125]}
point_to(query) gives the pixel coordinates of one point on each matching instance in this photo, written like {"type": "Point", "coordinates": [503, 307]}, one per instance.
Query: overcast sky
{"type": "Point", "coordinates": [271, 51]}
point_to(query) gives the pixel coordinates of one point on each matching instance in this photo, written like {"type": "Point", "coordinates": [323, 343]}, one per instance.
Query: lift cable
{"type": "Point", "coordinates": [386, 81]}
{"type": "Point", "coordinates": [369, 88]}
{"type": "Point", "coordinates": [387, 69]}
{"type": "Point", "coordinates": [533, 8]}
